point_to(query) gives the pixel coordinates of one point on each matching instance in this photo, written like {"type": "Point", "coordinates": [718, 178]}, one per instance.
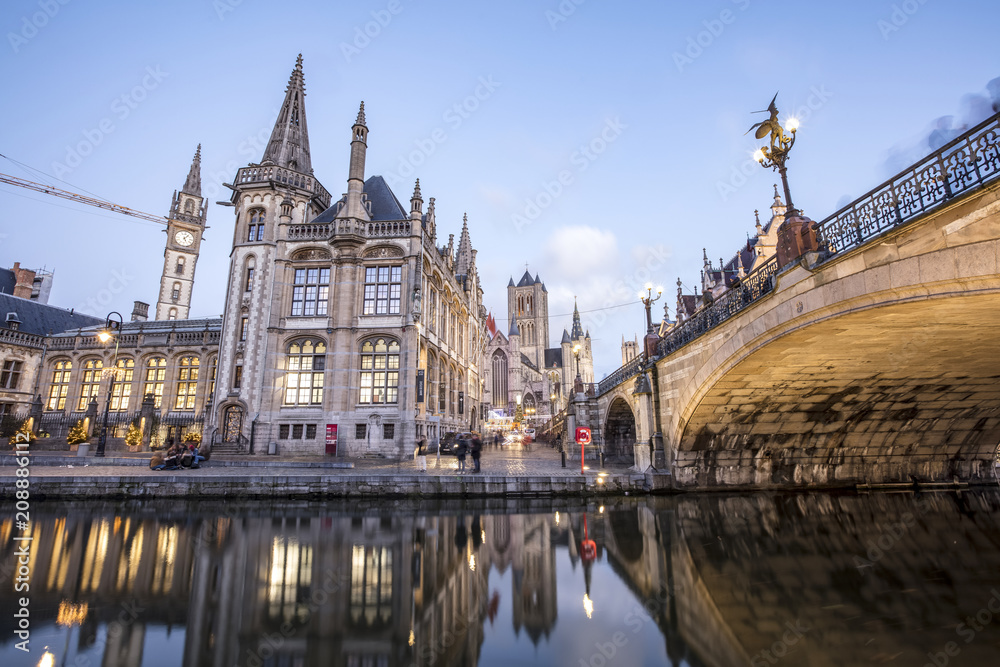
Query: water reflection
{"type": "Point", "coordinates": [721, 580]}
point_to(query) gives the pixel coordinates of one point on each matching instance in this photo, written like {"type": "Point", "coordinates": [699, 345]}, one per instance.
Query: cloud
{"type": "Point", "coordinates": [581, 253]}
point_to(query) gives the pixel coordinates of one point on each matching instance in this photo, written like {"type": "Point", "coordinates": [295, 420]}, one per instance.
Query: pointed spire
{"type": "Point", "coordinates": [463, 259]}
{"type": "Point", "coordinates": [361, 115]}
{"type": "Point", "coordinates": [289, 144]}
{"type": "Point", "coordinates": [565, 338]}
{"type": "Point", "coordinates": [514, 331]}
{"type": "Point", "coordinates": [192, 185]}
{"type": "Point", "coordinates": [511, 283]}
{"type": "Point", "coordinates": [577, 327]}
{"type": "Point", "coordinates": [355, 207]}
{"type": "Point", "coordinates": [416, 201]}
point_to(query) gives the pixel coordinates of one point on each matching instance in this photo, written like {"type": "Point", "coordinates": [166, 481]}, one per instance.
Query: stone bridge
{"type": "Point", "coordinates": [873, 359]}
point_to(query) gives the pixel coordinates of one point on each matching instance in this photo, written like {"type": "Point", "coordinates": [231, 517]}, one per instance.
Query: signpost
{"type": "Point", "coordinates": [583, 439]}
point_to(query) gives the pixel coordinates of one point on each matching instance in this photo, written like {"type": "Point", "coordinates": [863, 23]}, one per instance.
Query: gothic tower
{"type": "Point", "coordinates": [185, 227]}
{"type": "Point", "coordinates": [528, 303]}
{"type": "Point", "coordinates": [269, 198]}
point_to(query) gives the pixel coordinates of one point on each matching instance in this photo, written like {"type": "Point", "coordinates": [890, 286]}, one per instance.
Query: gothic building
{"type": "Point", "coordinates": [346, 328]}
{"type": "Point", "coordinates": [520, 367]}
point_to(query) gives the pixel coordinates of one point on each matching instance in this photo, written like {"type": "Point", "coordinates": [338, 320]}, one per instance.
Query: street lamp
{"type": "Point", "coordinates": [648, 300]}
{"type": "Point", "coordinates": [776, 153]}
{"type": "Point", "coordinates": [112, 329]}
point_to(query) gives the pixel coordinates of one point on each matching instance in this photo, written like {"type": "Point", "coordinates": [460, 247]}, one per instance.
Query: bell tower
{"type": "Point", "coordinates": [185, 227]}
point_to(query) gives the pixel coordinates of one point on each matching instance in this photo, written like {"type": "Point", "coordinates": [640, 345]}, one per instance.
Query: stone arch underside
{"type": "Point", "coordinates": [899, 392]}
{"type": "Point", "coordinates": [619, 430]}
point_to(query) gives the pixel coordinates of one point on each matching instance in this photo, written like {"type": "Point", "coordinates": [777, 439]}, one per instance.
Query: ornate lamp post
{"type": "Point", "coordinates": [648, 300]}
{"type": "Point", "coordinates": [112, 329]}
{"type": "Point", "coordinates": [797, 235]}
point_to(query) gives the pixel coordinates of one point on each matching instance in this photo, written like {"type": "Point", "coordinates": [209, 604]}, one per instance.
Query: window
{"type": "Point", "coordinates": [187, 383]}
{"type": "Point", "coordinates": [360, 431]}
{"type": "Point", "coordinates": [382, 289]}
{"type": "Point", "coordinates": [297, 431]}
{"type": "Point", "coordinates": [60, 385]}
{"type": "Point", "coordinates": [238, 376]}
{"type": "Point", "coordinates": [499, 379]}
{"type": "Point", "coordinates": [172, 314]}
{"type": "Point", "coordinates": [305, 364]}
{"type": "Point", "coordinates": [91, 382]}
{"type": "Point", "coordinates": [379, 371]}
{"type": "Point", "coordinates": [156, 370]}
{"type": "Point", "coordinates": [10, 376]}
{"type": "Point", "coordinates": [122, 391]}
{"type": "Point", "coordinates": [310, 292]}
{"type": "Point", "coordinates": [248, 281]}
{"type": "Point", "coordinates": [255, 231]}
{"type": "Point", "coordinates": [310, 431]}
{"type": "Point", "coordinates": [179, 269]}
{"type": "Point", "coordinates": [283, 432]}
{"type": "Point", "coordinates": [244, 322]}
{"type": "Point", "coordinates": [388, 431]}
{"type": "Point", "coordinates": [175, 293]}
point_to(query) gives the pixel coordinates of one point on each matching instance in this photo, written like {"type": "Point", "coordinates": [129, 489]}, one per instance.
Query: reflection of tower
{"type": "Point", "coordinates": [534, 579]}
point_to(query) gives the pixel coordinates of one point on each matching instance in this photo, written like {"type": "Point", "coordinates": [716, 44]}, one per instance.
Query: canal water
{"type": "Point", "coordinates": [754, 579]}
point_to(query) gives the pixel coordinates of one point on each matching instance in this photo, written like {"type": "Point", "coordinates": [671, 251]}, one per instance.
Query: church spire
{"type": "Point", "coordinates": [577, 327]}
{"type": "Point", "coordinates": [192, 185]}
{"type": "Point", "coordinates": [464, 256]}
{"type": "Point", "coordinates": [289, 144]}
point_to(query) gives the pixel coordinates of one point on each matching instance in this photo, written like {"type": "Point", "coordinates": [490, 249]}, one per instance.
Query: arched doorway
{"type": "Point", "coordinates": [619, 432]}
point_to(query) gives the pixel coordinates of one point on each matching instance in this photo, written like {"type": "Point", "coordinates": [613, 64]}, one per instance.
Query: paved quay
{"type": "Point", "coordinates": [508, 473]}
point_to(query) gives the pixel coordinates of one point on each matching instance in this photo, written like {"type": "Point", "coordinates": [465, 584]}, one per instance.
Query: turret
{"type": "Point", "coordinates": [355, 207]}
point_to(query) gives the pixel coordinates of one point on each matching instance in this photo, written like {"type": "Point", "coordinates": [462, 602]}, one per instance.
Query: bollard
{"type": "Point", "coordinates": [602, 458]}
{"type": "Point", "coordinates": [562, 455]}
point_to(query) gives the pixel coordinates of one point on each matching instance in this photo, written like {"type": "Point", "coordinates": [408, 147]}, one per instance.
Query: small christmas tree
{"type": "Point", "coordinates": [193, 437]}
{"type": "Point", "coordinates": [77, 435]}
{"type": "Point", "coordinates": [23, 434]}
{"type": "Point", "coordinates": [133, 437]}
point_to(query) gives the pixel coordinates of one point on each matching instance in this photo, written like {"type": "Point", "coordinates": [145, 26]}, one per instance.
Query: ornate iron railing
{"type": "Point", "coordinates": [959, 166]}
{"type": "Point", "coordinates": [630, 369]}
{"type": "Point", "coordinates": [736, 298]}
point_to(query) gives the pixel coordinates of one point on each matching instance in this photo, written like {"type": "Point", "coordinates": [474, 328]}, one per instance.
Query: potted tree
{"type": "Point", "coordinates": [78, 436]}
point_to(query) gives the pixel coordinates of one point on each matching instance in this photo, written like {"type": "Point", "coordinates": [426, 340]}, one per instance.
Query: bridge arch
{"type": "Point", "coordinates": [619, 430]}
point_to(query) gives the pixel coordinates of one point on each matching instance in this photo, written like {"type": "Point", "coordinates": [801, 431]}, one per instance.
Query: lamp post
{"type": "Point", "coordinates": [774, 155]}
{"type": "Point", "coordinates": [648, 300]}
{"type": "Point", "coordinates": [578, 383]}
{"type": "Point", "coordinates": [111, 330]}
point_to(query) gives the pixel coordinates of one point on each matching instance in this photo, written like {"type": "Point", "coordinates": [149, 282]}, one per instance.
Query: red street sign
{"type": "Point", "coordinates": [583, 436]}
{"type": "Point", "coordinates": [588, 550]}
{"type": "Point", "coordinates": [331, 439]}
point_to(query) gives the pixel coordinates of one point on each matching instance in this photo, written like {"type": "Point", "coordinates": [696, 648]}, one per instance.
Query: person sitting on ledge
{"type": "Point", "coordinates": [156, 463]}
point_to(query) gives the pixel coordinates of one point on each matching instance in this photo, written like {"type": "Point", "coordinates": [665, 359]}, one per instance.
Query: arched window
{"type": "Point", "coordinates": [187, 383]}
{"type": "Point", "coordinates": [304, 366]}
{"type": "Point", "coordinates": [379, 371]}
{"type": "Point", "coordinates": [60, 385]}
{"type": "Point", "coordinates": [179, 268]}
{"type": "Point", "coordinates": [255, 228]}
{"type": "Point", "coordinates": [499, 379]}
{"type": "Point", "coordinates": [156, 371]}
{"type": "Point", "coordinates": [175, 293]}
{"type": "Point", "coordinates": [172, 314]}
{"type": "Point", "coordinates": [189, 207]}
{"type": "Point", "coordinates": [91, 382]}
{"type": "Point", "coordinates": [248, 275]}
{"type": "Point", "coordinates": [123, 384]}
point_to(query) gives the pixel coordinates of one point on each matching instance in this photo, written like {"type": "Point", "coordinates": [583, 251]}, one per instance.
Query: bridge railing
{"type": "Point", "coordinates": [633, 367]}
{"type": "Point", "coordinates": [963, 164]}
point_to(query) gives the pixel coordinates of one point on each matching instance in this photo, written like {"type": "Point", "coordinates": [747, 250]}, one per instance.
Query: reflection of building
{"type": "Point", "coordinates": [521, 364]}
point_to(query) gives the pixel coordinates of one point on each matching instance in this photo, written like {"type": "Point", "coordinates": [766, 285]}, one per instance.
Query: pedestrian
{"type": "Point", "coordinates": [477, 451]}
{"type": "Point", "coordinates": [460, 451]}
{"type": "Point", "coordinates": [496, 441]}
{"type": "Point", "coordinates": [422, 455]}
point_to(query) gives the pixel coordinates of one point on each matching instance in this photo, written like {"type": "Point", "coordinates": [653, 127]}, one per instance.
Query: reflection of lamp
{"type": "Point", "coordinates": [47, 660]}
{"type": "Point", "coordinates": [588, 605]}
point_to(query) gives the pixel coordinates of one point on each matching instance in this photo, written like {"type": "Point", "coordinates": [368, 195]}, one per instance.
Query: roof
{"type": "Point", "coordinates": [526, 280]}
{"type": "Point", "coordinates": [43, 319]}
{"type": "Point", "coordinates": [553, 358]}
{"type": "Point", "coordinates": [566, 338]}
{"type": "Point", "coordinates": [514, 331]}
{"type": "Point", "coordinates": [154, 326]}
{"type": "Point", "coordinates": [528, 362]}
{"type": "Point", "coordinates": [383, 202]}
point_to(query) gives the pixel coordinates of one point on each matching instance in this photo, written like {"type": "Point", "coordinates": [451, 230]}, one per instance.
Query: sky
{"type": "Point", "coordinates": [602, 144]}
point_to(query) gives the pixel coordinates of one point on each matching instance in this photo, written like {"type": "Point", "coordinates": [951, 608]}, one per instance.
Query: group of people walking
{"type": "Point", "coordinates": [468, 444]}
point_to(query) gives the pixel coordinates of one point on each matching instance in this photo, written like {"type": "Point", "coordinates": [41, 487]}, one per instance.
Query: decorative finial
{"type": "Point", "coordinates": [776, 195]}
{"type": "Point", "coordinates": [465, 219]}
{"type": "Point", "coordinates": [197, 153]}
{"type": "Point", "coordinates": [756, 215]}
{"type": "Point", "coordinates": [361, 115]}
{"type": "Point", "coordinates": [416, 190]}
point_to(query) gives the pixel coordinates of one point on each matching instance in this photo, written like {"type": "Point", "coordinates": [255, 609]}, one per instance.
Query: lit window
{"type": "Point", "coordinates": [60, 385]}
{"type": "Point", "coordinates": [248, 282]}
{"type": "Point", "coordinates": [238, 376]}
{"type": "Point", "coordinates": [379, 371]}
{"type": "Point", "coordinates": [310, 292]}
{"type": "Point", "coordinates": [382, 290]}
{"type": "Point", "coordinates": [244, 322]}
{"type": "Point", "coordinates": [10, 376]}
{"type": "Point", "coordinates": [305, 364]}
{"type": "Point", "coordinates": [123, 384]}
{"type": "Point", "coordinates": [91, 382]}
{"type": "Point", "coordinates": [187, 383]}
{"type": "Point", "coordinates": [156, 370]}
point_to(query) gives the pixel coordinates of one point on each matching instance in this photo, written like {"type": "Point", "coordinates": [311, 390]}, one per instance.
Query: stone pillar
{"type": "Point", "coordinates": [797, 235]}
{"type": "Point", "coordinates": [643, 402]}
{"type": "Point", "coordinates": [91, 417]}
{"type": "Point", "coordinates": [146, 413]}
{"type": "Point", "coordinates": [35, 414]}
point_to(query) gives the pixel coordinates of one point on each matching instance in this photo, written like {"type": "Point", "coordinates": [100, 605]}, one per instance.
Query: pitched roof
{"type": "Point", "coordinates": [528, 362]}
{"type": "Point", "coordinates": [8, 281]}
{"type": "Point", "coordinates": [566, 338]}
{"type": "Point", "coordinates": [526, 280]}
{"type": "Point", "coordinates": [514, 331]}
{"type": "Point", "coordinates": [43, 319]}
{"type": "Point", "coordinates": [384, 204]}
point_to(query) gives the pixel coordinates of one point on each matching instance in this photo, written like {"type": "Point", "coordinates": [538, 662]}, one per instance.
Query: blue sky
{"type": "Point", "coordinates": [639, 108]}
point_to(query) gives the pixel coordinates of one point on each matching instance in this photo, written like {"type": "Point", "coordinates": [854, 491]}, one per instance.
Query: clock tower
{"type": "Point", "coordinates": [185, 226]}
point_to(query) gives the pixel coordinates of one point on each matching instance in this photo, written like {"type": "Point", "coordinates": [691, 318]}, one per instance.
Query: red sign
{"type": "Point", "coordinates": [583, 436]}
{"type": "Point", "coordinates": [588, 550]}
{"type": "Point", "coordinates": [331, 439]}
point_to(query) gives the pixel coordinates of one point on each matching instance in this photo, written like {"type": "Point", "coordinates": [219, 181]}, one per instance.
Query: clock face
{"type": "Point", "coordinates": [184, 238]}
